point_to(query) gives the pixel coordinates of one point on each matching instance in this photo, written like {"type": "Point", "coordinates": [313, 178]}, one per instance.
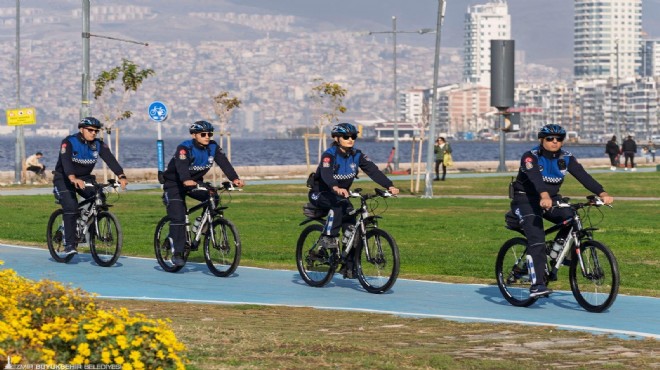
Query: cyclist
{"type": "Point", "coordinates": [536, 189]}
{"type": "Point", "coordinates": [338, 168]}
{"type": "Point", "coordinates": [192, 160]}
{"type": "Point", "coordinates": [77, 158]}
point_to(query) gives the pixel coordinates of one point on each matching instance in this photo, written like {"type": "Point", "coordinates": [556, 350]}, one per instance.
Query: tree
{"type": "Point", "coordinates": [327, 99]}
{"type": "Point", "coordinates": [126, 77]}
{"type": "Point", "coordinates": [223, 106]}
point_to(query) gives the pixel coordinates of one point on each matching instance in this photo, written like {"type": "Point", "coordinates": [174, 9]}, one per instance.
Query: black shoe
{"type": "Point", "coordinates": [539, 290]}
{"type": "Point", "coordinates": [70, 249]}
{"type": "Point", "coordinates": [177, 260]}
{"type": "Point", "coordinates": [347, 272]}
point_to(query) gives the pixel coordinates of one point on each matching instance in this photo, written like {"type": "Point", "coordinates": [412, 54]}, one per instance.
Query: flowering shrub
{"type": "Point", "coordinates": [46, 323]}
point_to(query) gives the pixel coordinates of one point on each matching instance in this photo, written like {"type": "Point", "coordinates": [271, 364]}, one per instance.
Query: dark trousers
{"type": "Point", "coordinates": [631, 156]}
{"type": "Point", "coordinates": [613, 159]}
{"type": "Point", "coordinates": [41, 171]}
{"type": "Point", "coordinates": [174, 198]}
{"type": "Point", "coordinates": [438, 162]}
{"type": "Point", "coordinates": [339, 207]}
{"type": "Point", "coordinates": [66, 193]}
{"type": "Point", "coordinates": [530, 216]}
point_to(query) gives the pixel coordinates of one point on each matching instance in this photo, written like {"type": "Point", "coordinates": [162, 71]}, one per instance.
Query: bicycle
{"type": "Point", "coordinates": [368, 252]}
{"type": "Point", "coordinates": [593, 270]}
{"type": "Point", "coordinates": [96, 226]}
{"type": "Point", "coordinates": [222, 244]}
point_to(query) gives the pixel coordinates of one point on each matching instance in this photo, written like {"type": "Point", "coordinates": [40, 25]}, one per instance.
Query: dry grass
{"type": "Point", "coordinates": [257, 337]}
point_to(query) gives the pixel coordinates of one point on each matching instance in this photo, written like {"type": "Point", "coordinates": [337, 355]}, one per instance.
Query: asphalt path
{"type": "Point", "coordinates": [143, 279]}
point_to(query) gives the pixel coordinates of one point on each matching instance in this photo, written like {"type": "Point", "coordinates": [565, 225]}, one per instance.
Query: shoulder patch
{"type": "Point", "coordinates": [182, 154]}
{"type": "Point", "coordinates": [63, 148]}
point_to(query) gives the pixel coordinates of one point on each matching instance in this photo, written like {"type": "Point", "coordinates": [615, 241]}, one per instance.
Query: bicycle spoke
{"type": "Point", "coordinates": [222, 248]}
{"type": "Point", "coordinates": [378, 262]}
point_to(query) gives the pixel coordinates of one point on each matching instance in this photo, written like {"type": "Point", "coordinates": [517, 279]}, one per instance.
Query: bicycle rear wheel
{"type": "Point", "coordinates": [317, 268]}
{"type": "Point", "coordinates": [222, 252]}
{"type": "Point", "coordinates": [595, 288]}
{"type": "Point", "coordinates": [106, 241]}
{"type": "Point", "coordinates": [512, 273]}
{"type": "Point", "coordinates": [378, 264]}
{"type": "Point", "coordinates": [162, 247]}
{"type": "Point", "coordinates": [55, 237]}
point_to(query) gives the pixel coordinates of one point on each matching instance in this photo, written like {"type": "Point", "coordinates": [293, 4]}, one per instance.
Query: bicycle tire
{"type": "Point", "coordinates": [223, 254]}
{"type": "Point", "coordinates": [55, 237]}
{"type": "Point", "coordinates": [597, 291]}
{"type": "Point", "coordinates": [316, 270]}
{"type": "Point", "coordinates": [512, 274]}
{"type": "Point", "coordinates": [105, 243]}
{"type": "Point", "coordinates": [162, 248]}
{"type": "Point", "coordinates": [378, 272]}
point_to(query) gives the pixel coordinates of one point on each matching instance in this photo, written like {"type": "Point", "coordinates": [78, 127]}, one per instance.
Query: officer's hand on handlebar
{"type": "Point", "coordinates": [393, 190]}
{"type": "Point", "coordinates": [607, 199]}
{"type": "Point", "coordinates": [340, 191]}
{"type": "Point", "coordinates": [190, 183]}
{"type": "Point", "coordinates": [123, 182]}
{"type": "Point", "coordinates": [238, 182]}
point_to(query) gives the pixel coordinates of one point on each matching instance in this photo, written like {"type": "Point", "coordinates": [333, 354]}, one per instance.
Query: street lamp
{"type": "Point", "coordinates": [394, 31]}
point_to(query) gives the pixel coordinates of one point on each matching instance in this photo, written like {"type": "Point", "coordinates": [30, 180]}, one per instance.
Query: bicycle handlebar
{"type": "Point", "coordinates": [226, 185]}
{"type": "Point", "coordinates": [592, 201]}
{"type": "Point", "coordinates": [379, 193]}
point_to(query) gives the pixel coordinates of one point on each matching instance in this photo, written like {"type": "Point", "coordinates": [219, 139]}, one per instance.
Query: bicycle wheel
{"type": "Point", "coordinates": [377, 265]}
{"type": "Point", "coordinates": [162, 247]}
{"type": "Point", "coordinates": [316, 269]}
{"type": "Point", "coordinates": [106, 241]}
{"type": "Point", "coordinates": [222, 252]}
{"type": "Point", "coordinates": [55, 237]}
{"type": "Point", "coordinates": [512, 274]}
{"type": "Point", "coordinates": [597, 286]}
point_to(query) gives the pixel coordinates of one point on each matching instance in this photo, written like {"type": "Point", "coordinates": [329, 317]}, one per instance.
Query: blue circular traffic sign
{"type": "Point", "coordinates": [158, 111]}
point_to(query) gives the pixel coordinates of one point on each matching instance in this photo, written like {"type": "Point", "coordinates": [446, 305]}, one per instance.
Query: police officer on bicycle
{"type": "Point", "coordinates": [192, 160]}
{"type": "Point", "coordinates": [77, 158]}
{"type": "Point", "coordinates": [334, 176]}
{"type": "Point", "coordinates": [536, 189]}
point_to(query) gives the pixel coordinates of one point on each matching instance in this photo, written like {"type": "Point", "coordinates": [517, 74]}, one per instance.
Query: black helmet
{"type": "Point", "coordinates": [90, 122]}
{"type": "Point", "coordinates": [344, 129]}
{"type": "Point", "coordinates": [552, 130]}
{"type": "Point", "coordinates": [201, 126]}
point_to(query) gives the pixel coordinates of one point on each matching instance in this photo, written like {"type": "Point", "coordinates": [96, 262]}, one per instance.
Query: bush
{"type": "Point", "coordinates": [46, 323]}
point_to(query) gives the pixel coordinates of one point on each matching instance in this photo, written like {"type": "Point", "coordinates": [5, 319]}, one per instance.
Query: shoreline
{"type": "Point", "coordinates": [275, 172]}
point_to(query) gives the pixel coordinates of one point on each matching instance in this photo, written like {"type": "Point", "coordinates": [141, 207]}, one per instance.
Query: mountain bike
{"type": "Point", "coordinates": [368, 252]}
{"type": "Point", "coordinates": [593, 271]}
{"type": "Point", "coordinates": [96, 227]}
{"type": "Point", "coordinates": [222, 244]}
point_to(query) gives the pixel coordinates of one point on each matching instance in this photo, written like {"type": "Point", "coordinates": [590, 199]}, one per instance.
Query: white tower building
{"type": "Point", "coordinates": [607, 38]}
{"type": "Point", "coordinates": [483, 23]}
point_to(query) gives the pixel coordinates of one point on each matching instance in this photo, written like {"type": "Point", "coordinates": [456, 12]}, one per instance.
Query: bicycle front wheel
{"type": "Point", "coordinates": [512, 273]}
{"type": "Point", "coordinates": [106, 241]}
{"type": "Point", "coordinates": [378, 262]}
{"type": "Point", "coordinates": [595, 288]}
{"type": "Point", "coordinates": [316, 266]}
{"type": "Point", "coordinates": [162, 247]}
{"type": "Point", "coordinates": [222, 249]}
{"type": "Point", "coordinates": [55, 237]}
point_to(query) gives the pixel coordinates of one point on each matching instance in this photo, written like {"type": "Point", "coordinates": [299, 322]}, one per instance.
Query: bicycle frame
{"type": "Point", "coordinates": [363, 222]}
{"type": "Point", "coordinates": [92, 206]}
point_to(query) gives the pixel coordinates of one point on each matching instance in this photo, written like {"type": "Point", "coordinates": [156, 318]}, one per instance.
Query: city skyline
{"type": "Point", "coordinates": [337, 46]}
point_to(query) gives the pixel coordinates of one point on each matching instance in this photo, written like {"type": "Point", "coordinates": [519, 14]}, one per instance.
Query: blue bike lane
{"type": "Point", "coordinates": [143, 279]}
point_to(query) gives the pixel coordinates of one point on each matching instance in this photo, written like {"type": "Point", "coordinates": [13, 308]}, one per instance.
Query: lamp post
{"type": "Point", "coordinates": [618, 93]}
{"type": "Point", "coordinates": [395, 119]}
{"type": "Point", "coordinates": [20, 138]}
{"type": "Point", "coordinates": [430, 155]}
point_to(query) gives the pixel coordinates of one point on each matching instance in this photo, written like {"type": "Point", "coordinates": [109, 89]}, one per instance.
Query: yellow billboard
{"type": "Point", "coordinates": [21, 116]}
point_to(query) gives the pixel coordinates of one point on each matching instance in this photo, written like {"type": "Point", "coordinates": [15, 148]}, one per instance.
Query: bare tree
{"type": "Point", "coordinates": [327, 99]}
{"type": "Point", "coordinates": [126, 78]}
{"type": "Point", "coordinates": [223, 106]}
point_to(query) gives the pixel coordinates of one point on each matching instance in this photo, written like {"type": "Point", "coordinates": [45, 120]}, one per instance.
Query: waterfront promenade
{"type": "Point", "coordinates": [276, 172]}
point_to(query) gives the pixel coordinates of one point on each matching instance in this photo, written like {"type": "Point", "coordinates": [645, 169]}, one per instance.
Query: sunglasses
{"type": "Point", "coordinates": [205, 134]}
{"type": "Point", "coordinates": [92, 130]}
{"type": "Point", "coordinates": [346, 137]}
{"type": "Point", "coordinates": [553, 138]}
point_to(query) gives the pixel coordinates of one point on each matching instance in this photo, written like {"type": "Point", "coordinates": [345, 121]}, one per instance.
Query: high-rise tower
{"type": "Point", "coordinates": [607, 38]}
{"type": "Point", "coordinates": [483, 23]}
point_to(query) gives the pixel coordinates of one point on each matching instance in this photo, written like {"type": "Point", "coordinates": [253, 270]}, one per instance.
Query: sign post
{"type": "Point", "coordinates": [158, 113]}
